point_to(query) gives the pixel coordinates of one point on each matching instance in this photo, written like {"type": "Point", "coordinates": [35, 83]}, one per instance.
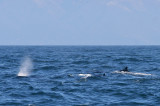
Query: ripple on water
{"type": "Point", "coordinates": [50, 85]}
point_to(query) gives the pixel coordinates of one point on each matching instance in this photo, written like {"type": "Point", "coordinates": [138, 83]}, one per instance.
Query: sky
{"type": "Point", "coordinates": [79, 22]}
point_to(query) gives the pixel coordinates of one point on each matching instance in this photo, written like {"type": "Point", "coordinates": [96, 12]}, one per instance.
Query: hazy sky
{"type": "Point", "coordinates": [79, 22]}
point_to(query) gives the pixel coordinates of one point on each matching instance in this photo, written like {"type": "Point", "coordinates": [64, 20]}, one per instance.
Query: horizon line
{"type": "Point", "coordinates": [81, 45]}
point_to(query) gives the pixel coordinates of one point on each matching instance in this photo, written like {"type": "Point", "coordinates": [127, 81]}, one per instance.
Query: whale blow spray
{"type": "Point", "coordinates": [26, 67]}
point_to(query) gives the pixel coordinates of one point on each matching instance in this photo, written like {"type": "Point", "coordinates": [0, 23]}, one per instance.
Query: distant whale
{"type": "Point", "coordinates": [125, 69]}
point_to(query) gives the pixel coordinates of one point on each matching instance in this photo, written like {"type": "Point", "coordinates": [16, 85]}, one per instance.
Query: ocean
{"type": "Point", "coordinates": [79, 76]}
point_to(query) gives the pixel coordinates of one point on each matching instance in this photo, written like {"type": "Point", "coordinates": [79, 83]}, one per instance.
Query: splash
{"type": "Point", "coordinates": [26, 67]}
{"type": "Point", "coordinates": [131, 73]}
{"type": "Point", "coordinates": [85, 75]}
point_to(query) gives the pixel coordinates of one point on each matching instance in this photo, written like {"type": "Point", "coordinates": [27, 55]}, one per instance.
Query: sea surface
{"type": "Point", "coordinates": [79, 76]}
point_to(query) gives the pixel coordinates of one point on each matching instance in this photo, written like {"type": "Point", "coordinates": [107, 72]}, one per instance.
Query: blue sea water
{"type": "Point", "coordinates": [54, 78]}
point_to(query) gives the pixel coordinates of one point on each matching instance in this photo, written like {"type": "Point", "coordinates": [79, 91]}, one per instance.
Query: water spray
{"type": "Point", "coordinates": [26, 67]}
